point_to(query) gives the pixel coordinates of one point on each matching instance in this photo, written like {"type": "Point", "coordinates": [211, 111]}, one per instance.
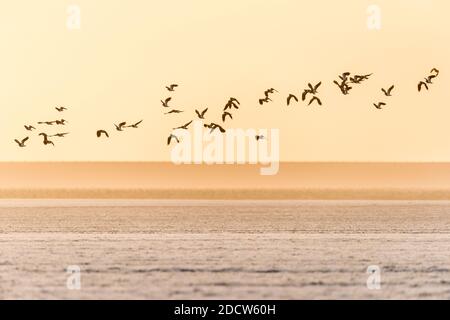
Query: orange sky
{"type": "Point", "coordinates": [115, 67]}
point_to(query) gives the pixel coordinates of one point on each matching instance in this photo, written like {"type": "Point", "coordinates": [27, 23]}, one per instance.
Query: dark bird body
{"type": "Point", "coordinates": [165, 103]}
{"type": "Point", "coordinates": [120, 126]}
{"type": "Point", "coordinates": [201, 115]}
{"type": "Point", "coordinates": [102, 132]}
{"type": "Point", "coordinates": [29, 128]}
{"type": "Point", "coordinates": [290, 97]}
{"type": "Point", "coordinates": [60, 135]}
{"type": "Point", "coordinates": [22, 142]}
{"type": "Point", "coordinates": [379, 105]}
{"type": "Point", "coordinates": [172, 87]}
{"type": "Point", "coordinates": [214, 126]}
{"type": "Point", "coordinates": [388, 92]}
{"type": "Point", "coordinates": [172, 136]}
{"type": "Point", "coordinates": [225, 115]}
{"type": "Point", "coordinates": [46, 141]}
{"type": "Point", "coordinates": [184, 127]}
{"type": "Point", "coordinates": [136, 125]}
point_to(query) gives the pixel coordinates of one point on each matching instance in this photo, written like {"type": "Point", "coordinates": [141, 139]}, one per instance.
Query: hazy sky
{"type": "Point", "coordinates": [116, 66]}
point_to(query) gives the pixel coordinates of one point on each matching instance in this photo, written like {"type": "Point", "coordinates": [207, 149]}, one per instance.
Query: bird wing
{"type": "Point", "coordinates": [384, 91]}
{"type": "Point", "coordinates": [318, 85]}
{"type": "Point", "coordinates": [138, 123]}
{"type": "Point", "coordinates": [17, 141]}
{"type": "Point", "coordinates": [204, 111]}
{"type": "Point", "coordinates": [391, 88]}
{"type": "Point", "coordinates": [198, 113]}
{"type": "Point", "coordinates": [167, 100]}
{"type": "Point", "coordinates": [304, 95]}
{"type": "Point", "coordinates": [169, 139]}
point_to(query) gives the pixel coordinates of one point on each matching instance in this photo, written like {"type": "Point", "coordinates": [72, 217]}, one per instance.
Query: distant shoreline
{"type": "Point", "coordinates": [229, 194]}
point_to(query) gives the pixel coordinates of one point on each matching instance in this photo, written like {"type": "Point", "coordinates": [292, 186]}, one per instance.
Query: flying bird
{"type": "Point", "coordinates": [269, 91]}
{"type": "Point", "coordinates": [315, 99]}
{"type": "Point", "coordinates": [232, 103]}
{"type": "Point", "coordinates": [135, 125]}
{"type": "Point", "coordinates": [46, 141]}
{"type": "Point", "coordinates": [434, 70]}
{"type": "Point", "coordinates": [172, 136]}
{"type": "Point", "coordinates": [61, 109]}
{"type": "Point", "coordinates": [379, 105]}
{"type": "Point", "coordinates": [345, 88]}
{"type": "Point", "coordinates": [259, 137]}
{"type": "Point", "coordinates": [225, 115]}
{"type": "Point", "coordinates": [421, 84]}
{"type": "Point", "coordinates": [429, 79]}
{"type": "Point", "coordinates": [165, 103]}
{"type": "Point", "coordinates": [184, 127]}
{"type": "Point", "coordinates": [388, 92]}
{"type": "Point", "coordinates": [22, 143]}
{"type": "Point", "coordinates": [201, 115]}
{"type": "Point", "coordinates": [311, 89]}
{"type": "Point", "coordinates": [100, 132]}
{"type": "Point", "coordinates": [214, 126]}
{"type": "Point", "coordinates": [172, 87]}
{"type": "Point", "coordinates": [29, 128]}
{"type": "Point", "coordinates": [60, 135]}
{"type": "Point", "coordinates": [49, 123]}
{"type": "Point", "coordinates": [174, 111]}
{"type": "Point", "coordinates": [120, 126]}
{"type": "Point", "coordinates": [264, 100]}
{"type": "Point", "coordinates": [290, 97]}
{"type": "Point", "coordinates": [61, 122]}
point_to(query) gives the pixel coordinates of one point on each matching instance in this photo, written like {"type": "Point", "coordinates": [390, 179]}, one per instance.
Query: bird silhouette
{"type": "Point", "coordinates": [22, 142]}
{"type": "Point", "coordinates": [165, 103]}
{"type": "Point", "coordinates": [436, 71]}
{"type": "Point", "coordinates": [61, 109]}
{"type": "Point", "coordinates": [388, 92]}
{"type": "Point", "coordinates": [290, 97]}
{"type": "Point", "coordinates": [120, 126]}
{"type": "Point", "coordinates": [315, 99]}
{"type": "Point", "coordinates": [174, 111]}
{"type": "Point", "coordinates": [213, 126]}
{"type": "Point", "coordinates": [172, 136]}
{"type": "Point", "coordinates": [201, 115]}
{"type": "Point", "coordinates": [311, 89]}
{"type": "Point", "coordinates": [379, 105]}
{"type": "Point", "coordinates": [345, 88]}
{"type": "Point", "coordinates": [269, 91]}
{"type": "Point", "coordinates": [264, 100]}
{"type": "Point", "coordinates": [101, 132]}
{"type": "Point", "coordinates": [225, 115]}
{"type": "Point", "coordinates": [422, 84]}
{"type": "Point", "coordinates": [232, 103]}
{"type": "Point", "coordinates": [136, 125]}
{"type": "Point", "coordinates": [48, 123]}
{"type": "Point", "coordinates": [429, 79]}
{"type": "Point", "coordinates": [29, 128]}
{"type": "Point", "coordinates": [61, 122]}
{"type": "Point", "coordinates": [184, 127]}
{"type": "Point", "coordinates": [172, 87]}
{"type": "Point", "coordinates": [259, 137]}
{"type": "Point", "coordinates": [60, 135]}
{"type": "Point", "coordinates": [46, 141]}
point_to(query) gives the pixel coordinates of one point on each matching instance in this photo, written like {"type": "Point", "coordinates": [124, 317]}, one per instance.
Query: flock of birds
{"type": "Point", "coordinates": [310, 94]}
{"type": "Point", "coordinates": [45, 136]}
